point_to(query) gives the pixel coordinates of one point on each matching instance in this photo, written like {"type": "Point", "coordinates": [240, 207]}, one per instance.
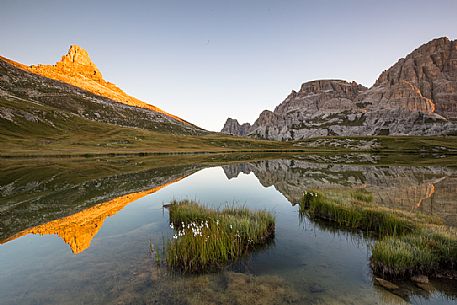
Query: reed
{"type": "Point", "coordinates": [207, 239]}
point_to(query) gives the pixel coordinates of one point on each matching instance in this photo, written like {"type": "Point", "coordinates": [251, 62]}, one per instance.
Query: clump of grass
{"type": "Point", "coordinates": [208, 239]}
{"type": "Point", "coordinates": [410, 243]}
{"type": "Point", "coordinates": [426, 251]}
{"type": "Point", "coordinates": [352, 216]}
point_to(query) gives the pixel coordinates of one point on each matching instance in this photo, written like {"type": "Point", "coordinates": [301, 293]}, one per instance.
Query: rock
{"type": "Point", "coordinates": [420, 279]}
{"type": "Point", "coordinates": [232, 127]}
{"type": "Point", "coordinates": [416, 96]}
{"type": "Point", "coordinates": [385, 283]}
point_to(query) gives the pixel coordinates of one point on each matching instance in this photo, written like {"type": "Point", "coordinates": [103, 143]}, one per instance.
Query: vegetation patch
{"type": "Point", "coordinates": [430, 250]}
{"type": "Point", "coordinates": [355, 214]}
{"type": "Point", "coordinates": [207, 239]}
{"type": "Point", "coordinates": [409, 244]}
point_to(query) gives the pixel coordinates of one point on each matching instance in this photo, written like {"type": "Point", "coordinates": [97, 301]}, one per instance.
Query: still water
{"type": "Point", "coordinates": [82, 234]}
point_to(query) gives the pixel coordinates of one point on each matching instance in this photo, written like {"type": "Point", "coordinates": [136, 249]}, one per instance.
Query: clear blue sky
{"type": "Point", "coordinates": [209, 60]}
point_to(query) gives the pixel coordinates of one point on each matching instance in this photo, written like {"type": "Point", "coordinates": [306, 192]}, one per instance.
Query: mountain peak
{"type": "Point", "coordinates": [77, 55]}
{"type": "Point", "coordinates": [77, 60]}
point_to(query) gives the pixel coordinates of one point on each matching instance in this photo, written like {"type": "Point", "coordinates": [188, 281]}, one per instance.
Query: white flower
{"type": "Point", "coordinates": [175, 237]}
{"type": "Point", "coordinates": [171, 225]}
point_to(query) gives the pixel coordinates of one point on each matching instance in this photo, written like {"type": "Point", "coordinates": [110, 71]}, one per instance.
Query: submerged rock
{"type": "Point", "coordinates": [420, 279]}
{"type": "Point", "coordinates": [385, 284]}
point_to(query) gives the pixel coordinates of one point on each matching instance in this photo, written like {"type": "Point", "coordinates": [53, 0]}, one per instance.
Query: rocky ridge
{"type": "Point", "coordinates": [56, 98]}
{"type": "Point", "coordinates": [77, 69]}
{"type": "Point", "coordinates": [416, 96]}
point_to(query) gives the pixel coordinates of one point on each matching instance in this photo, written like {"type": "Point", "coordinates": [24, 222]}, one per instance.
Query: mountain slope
{"type": "Point", "coordinates": [416, 96]}
{"type": "Point", "coordinates": [44, 116]}
{"type": "Point", "coordinates": [27, 89]}
{"type": "Point", "coordinates": [77, 69]}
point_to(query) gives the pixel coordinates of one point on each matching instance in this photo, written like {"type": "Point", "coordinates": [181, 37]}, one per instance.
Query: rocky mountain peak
{"type": "Point", "coordinates": [77, 69]}
{"type": "Point", "coordinates": [77, 55]}
{"type": "Point", "coordinates": [416, 96]}
{"type": "Point", "coordinates": [232, 126]}
{"type": "Point", "coordinates": [425, 80]}
{"type": "Point", "coordinates": [77, 60]}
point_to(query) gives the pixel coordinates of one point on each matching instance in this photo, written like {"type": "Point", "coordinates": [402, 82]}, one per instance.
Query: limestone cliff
{"type": "Point", "coordinates": [416, 96]}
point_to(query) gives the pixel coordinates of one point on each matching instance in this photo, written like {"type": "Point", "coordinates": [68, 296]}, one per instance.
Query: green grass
{"type": "Point", "coordinates": [429, 251]}
{"type": "Point", "coordinates": [354, 215]}
{"type": "Point", "coordinates": [409, 243]}
{"type": "Point", "coordinates": [207, 239]}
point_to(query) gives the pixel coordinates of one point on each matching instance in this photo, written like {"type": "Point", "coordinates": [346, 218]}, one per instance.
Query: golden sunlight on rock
{"type": "Point", "coordinates": [77, 69]}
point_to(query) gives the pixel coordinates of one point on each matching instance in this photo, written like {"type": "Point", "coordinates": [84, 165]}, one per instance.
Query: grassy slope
{"type": "Point", "coordinates": [75, 135]}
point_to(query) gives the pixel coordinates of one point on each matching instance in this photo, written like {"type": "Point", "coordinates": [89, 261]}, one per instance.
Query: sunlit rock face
{"type": "Point", "coordinates": [427, 189]}
{"type": "Point", "coordinates": [74, 87]}
{"type": "Point", "coordinates": [416, 96]}
{"type": "Point", "coordinates": [426, 80]}
{"type": "Point", "coordinates": [77, 69]}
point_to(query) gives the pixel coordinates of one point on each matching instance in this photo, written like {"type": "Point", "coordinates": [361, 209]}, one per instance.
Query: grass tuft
{"type": "Point", "coordinates": [208, 239]}
{"type": "Point", "coordinates": [426, 251]}
{"type": "Point", "coordinates": [410, 243]}
{"type": "Point", "coordinates": [353, 216]}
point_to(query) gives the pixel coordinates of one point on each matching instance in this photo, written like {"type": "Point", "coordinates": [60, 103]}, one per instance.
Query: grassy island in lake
{"type": "Point", "coordinates": [206, 239]}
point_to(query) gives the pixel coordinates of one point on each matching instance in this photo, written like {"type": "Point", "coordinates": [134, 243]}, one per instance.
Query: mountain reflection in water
{"type": "Point", "coordinates": [428, 189]}
{"type": "Point", "coordinates": [79, 229]}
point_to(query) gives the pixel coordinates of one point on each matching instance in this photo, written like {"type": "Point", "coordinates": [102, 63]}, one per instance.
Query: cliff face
{"type": "Point", "coordinates": [426, 80]}
{"type": "Point", "coordinates": [416, 96]}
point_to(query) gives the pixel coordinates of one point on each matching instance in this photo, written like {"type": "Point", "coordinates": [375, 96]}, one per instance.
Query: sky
{"type": "Point", "coordinates": [208, 60]}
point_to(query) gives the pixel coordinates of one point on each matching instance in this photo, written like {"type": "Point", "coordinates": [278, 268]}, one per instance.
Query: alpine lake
{"type": "Point", "coordinates": [93, 230]}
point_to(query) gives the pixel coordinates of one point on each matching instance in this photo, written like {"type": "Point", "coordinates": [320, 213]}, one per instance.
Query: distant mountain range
{"type": "Point", "coordinates": [416, 96]}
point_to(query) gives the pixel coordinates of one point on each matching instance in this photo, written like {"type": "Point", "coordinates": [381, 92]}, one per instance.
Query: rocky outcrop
{"type": "Point", "coordinates": [416, 96]}
{"type": "Point", "coordinates": [77, 69]}
{"type": "Point", "coordinates": [232, 127]}
{"type": "Point", "coordinates": [55, 97]}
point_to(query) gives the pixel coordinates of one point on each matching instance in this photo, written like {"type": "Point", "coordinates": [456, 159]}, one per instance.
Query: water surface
{"type": "Point", "coordinates": [74, 235]}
